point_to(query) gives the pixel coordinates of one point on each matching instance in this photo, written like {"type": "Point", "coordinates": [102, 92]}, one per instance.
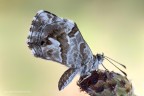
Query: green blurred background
{"type": "Point", "coordinates": [115, 27]}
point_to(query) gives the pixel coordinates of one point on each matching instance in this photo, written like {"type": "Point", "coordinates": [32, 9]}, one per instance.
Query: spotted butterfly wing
{"type": "Point", "coordinates": [57, 39]}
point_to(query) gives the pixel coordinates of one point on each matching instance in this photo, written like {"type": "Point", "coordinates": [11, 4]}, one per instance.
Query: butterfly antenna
{"type": "Point", "coordinates": [104, 66]}
{"type": "Point", "coordinates": [116, 67]}
{"type": "Point", "coordinates": [116, 62]}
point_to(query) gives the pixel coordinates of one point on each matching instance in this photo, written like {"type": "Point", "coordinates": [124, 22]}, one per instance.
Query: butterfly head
{"type": "Point", "coordinates": [99, 58]}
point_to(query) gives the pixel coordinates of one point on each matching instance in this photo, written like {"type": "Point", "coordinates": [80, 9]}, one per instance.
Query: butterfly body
{"type": "Point", "coordinates": [57, 39]}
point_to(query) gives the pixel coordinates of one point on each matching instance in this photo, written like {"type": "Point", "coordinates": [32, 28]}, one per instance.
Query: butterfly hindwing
{"type": "Point", "coordinates": [67, 77]}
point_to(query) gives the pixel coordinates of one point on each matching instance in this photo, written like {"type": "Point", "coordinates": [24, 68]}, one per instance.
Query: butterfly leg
{"type": "Point", "coordinates": [67, 77]}
{"type": "Point", "coordinates": [88, 75]}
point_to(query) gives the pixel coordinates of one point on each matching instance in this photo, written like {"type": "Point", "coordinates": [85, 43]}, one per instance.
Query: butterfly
{"type": "Point", "coordinates": [58, 39]}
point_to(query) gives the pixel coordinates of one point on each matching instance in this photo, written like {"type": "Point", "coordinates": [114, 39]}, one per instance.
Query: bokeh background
{"type": "Point", "coordinates": [115, 27]}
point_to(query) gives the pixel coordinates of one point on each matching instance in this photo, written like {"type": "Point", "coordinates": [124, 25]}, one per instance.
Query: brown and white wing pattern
{"type": "Point", "coordinates": [67, 77]}
{"type": "Point", "coordinates": [57, 39]}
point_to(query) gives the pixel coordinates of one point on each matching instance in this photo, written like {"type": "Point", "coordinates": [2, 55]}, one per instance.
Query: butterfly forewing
{"type": "Point", "coordinates": [57, 39]}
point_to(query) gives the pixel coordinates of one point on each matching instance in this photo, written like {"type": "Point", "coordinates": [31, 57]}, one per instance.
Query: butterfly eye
{"type": "Point", "coordinates": [98, 57]}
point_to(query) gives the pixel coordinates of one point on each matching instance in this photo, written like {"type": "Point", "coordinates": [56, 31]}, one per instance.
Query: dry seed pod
{"type": "Point", "coordinates": [106, 83]}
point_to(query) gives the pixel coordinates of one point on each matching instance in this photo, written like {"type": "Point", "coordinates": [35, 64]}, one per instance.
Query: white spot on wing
{"type": "Point", "coordinates": [59, 19]}
{"type": "Point", "coordinates": [77, 33]}
{"type": "Point", "coordinates": [71, 22]}
{"type": "Point", "coordinates": [29, 33]}
{"type": "Point", "coordinates": [70, 25]}
{"type": "Point", "coordinates": [34, 18]}
{"type": "Point", "coordinates": [44, 17]}
{"type": "Point", "coordinates": [33, 51]}
{"type": "Point", "coordinates": [56, 54]}
{"type": "Point", "coordinates": [40, 11]}
{"type": "Point", "coordinates": [55, 42]}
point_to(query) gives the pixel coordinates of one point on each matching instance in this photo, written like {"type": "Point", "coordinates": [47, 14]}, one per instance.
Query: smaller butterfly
{"type": "Point", "coordinates": [58, 39]}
